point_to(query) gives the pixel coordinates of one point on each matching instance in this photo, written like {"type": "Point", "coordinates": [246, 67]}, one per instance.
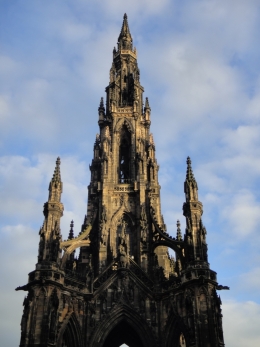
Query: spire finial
{"type": "Point", "coordinates": [56, 175]}
{"type": "Point", "coordinates": [147, 104]}
{"type": "Point", "coordinates": [178, 236]}
{"type": "Point", "coordinates": [71, 233]}
{"type": "Point", "coordinates": [101, 110]}
{"type": "Point", "coordinates": [189, 175]}
{"type": "Point", "coordinates": [190, 184]}
{"type": "Point", "coordinates": [125, 39]}
{"type": "Point", "coordinates": [101, 105]}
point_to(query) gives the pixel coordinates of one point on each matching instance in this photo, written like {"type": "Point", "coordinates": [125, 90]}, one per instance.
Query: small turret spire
{"type": "Point", "coordinates": [190, 184]}
{"type": "Point", "coordinates": [101, 112]}
{"type": "Point", "coordinates": [101, 105]}
{"type": "Point", "coordinates": [189, 174]}
{"type": "Point", "coordinates": [71, 233]}
{"type": "Point", "coordinates": [125, 39]}
{"type": "Point", "coordinates": [55, 187]}
{"type": "Point", "coordinates": [147, 110]}
{"type": "Point", "coordinates": [147, 106]}
{"type": "Point", "coordinates": [178, 236]}
{"type": "Point", "coordinates": [56, 175]}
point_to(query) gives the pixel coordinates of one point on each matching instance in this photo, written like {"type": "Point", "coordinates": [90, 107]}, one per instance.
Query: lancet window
{"type": "Point", "coordinates": [125, 156]}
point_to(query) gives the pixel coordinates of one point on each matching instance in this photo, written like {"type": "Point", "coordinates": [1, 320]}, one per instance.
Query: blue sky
{"type": "Point", "coordinates": [200, 67]}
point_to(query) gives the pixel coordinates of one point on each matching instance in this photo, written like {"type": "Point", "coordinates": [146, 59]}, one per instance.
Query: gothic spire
{"type": "Point", "coordinates": [125, 39]}
{"type": "Point", "coordinates": [190, 184]}
{"type": "Point", "coordinates": [178, 236]}
{"type": "Point", "coordinates": [71, 233]}
{"type": "Point", "coordinates": [56, 175]}
{"type": "Point", "coordinates": [101, 112]}
{"type": "Point", "coordinates": [55, 187]}
{"type": "Point", "coordinates": [189, 174]}
{"type": "Point", "coordinates": [146, 105]}
{"type": "Point", "coordinates": [101, 105]}
{"type": "Point", "coordinates": [147, 111]}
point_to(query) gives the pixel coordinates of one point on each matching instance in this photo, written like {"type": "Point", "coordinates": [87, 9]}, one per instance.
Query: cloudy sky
{"type": "Point", "coordinates": [200, 67]}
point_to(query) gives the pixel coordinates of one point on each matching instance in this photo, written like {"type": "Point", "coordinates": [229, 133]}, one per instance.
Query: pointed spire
{"type": "Point", "coordinates": [147, 106]}
{"type": "Point", "coordinates": [101, 112]}
{"type": "Point", "coordinates": [71, 233]}
{"type": "Point", "coordinates": [147, 111]}
{"type": "Point", "coordinates": [55, 187]}
{"type": "Point", "coordinates": [189, 175]}
{"type": "Point", "coordinates": [56, 175]}
{"type": "Point", "coordinates": [101, 105]}
{"type": "Point", "coordinates": [125, 39]}
{"type": "Point", "coordinates": [190, 184]}
{"type": "Point", "coordinates": [179, 235]}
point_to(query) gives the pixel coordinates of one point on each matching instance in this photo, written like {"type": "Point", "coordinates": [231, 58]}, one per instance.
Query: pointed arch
{"type": "Point", "coordinates": [203, 290]}
{"type": "Point", "coordinates": [70, 333]}
{"type": "Point", "coordinates": [124, 121]}
{"type": "Point", "coordinates": [123, 319]}
{"type": "Point", "coordinates": [42, 290]}
{"type": "Point", "coordinates": [116, 222]}
{"type": "Point", "coordinates": [174, 330]}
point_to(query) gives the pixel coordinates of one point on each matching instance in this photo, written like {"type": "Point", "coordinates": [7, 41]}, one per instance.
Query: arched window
{"type": "Point", "coordinates": [125, 156]}
{"type": "Point", "coordinates": [71, 336]}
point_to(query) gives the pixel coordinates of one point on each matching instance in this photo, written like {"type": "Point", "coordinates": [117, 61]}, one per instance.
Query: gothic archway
{"type": "Point", "coordinates": [176, 333]}
{"type": "Point", "coordinates": [123, 333]}
{"type": "Point", "coordinates": [70, 334]}
{"type": "Point", "coordinates": [123, 325]}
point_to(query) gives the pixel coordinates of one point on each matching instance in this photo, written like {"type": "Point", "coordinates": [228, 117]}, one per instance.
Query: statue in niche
{"type": "Point", "coordinates": [102, 226]}
{"type": "Point", "coordinates": [143, 225]}
{"type": "Point", "coordinates": [55, 248]}
{"type": "Point", "coordinates": [122, 246]}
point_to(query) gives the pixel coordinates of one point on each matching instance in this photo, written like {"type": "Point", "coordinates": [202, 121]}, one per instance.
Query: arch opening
{"type": "Point", "coordinates": [70, 335]}
{"type": "Point", "coordinates": [123, 335]}
{"type": "Point", "coordinates": [125, 155]}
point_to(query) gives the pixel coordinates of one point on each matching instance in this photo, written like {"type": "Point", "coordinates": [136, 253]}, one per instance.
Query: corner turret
{"type": "Point", "coordinates": [193, 210]}
{"type": "Point", "coordinates": [53, 211]}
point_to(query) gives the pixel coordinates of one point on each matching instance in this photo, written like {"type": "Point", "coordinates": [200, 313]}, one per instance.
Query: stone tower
{"type": "Point", "coordinates": [124, 287]}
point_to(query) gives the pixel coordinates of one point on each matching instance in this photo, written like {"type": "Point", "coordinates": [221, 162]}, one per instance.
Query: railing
{"type": "Point", "coordinates": [106, 274]}
{"type": "Point", "coordinates": [137, 270]}
{"type": "Point", "coordinates": [75, 275]}
{"type": "Point", "coordinates": [125, 181]}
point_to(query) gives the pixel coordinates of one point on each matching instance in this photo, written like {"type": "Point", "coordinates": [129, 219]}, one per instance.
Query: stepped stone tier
{"type": "Point", "coordinates": [124, 287]}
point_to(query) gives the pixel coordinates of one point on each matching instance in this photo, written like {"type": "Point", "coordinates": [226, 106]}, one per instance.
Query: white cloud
{"type": "Point", "coordinates": [144, 7]}
{"type": "Point", "coordinates": [199, 65]}
{"type": "Point", "coordinates": [243, 214]}
{"type": "Point", "coordinates": [241, 323]}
